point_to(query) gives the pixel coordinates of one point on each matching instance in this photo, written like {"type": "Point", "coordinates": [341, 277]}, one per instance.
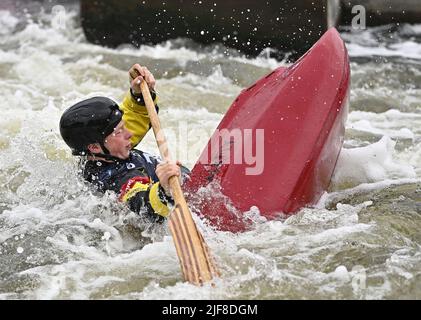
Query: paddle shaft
{"type": "Point", "coordinates": [195, 259]}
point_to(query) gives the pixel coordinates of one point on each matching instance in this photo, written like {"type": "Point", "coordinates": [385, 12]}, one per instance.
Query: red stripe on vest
{"type": "Point", "coordinates": [130, 183]}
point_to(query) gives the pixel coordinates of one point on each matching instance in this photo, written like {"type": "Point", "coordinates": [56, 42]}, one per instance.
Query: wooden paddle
{"type": "Point", "coordinates": [196, 261]}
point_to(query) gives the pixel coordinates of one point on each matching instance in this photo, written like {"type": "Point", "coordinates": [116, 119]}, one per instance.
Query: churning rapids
{"type": "Point", "coordinates": [60, 240]}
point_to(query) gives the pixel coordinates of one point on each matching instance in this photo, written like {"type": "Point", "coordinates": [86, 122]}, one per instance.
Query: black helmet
{"type": "Point", "coordinates": [89, 121]}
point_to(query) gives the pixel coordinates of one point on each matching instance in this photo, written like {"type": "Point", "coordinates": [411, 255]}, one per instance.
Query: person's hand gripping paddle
{"type": "Point", "coordinates": [196, 262]}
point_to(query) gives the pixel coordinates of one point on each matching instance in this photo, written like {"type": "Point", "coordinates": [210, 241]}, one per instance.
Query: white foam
{"type": "Point", "coordinates": [43, 70]}
{"type": "Point", "coordinates": [399, 126]}
{"type": "Point", "coordinates": [165, 51]}
{"type": "Point", "coordinates": [364, 188]}
{"type": "Point", "coordinates": [215, 83]}
{"type": "Point", "coordinates": [407, 49]}
{"type": "Point", "coordinates": [7, 57]}
{"type": "Point", "coordinates": [24, 214]}
{"type": "Point", "coordinates": [365, 43]}
{"type": "Point", "coordinates": [7, 22]}
{"type": "Point", "coordinates": [263, 60]}
{"type": "Point", "coordinates": [367, 126]}
{"type": "Point", "coordinates": [411, 29]}
{"type": "Point", "coordinates": [56, 280]}
{"type": "Point", "coordinates": [341, 273]}
{"type": "Point", "coordinates": [372, 163]}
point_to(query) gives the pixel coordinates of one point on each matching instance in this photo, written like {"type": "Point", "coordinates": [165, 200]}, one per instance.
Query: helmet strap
{"type": "Point", "coordinates": [104, 149]}
{"type": "Point", "coordinates": [106, 154]}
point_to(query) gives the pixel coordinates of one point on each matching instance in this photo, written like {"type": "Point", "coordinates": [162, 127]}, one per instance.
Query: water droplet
{"type": "Point", "coordinates": [130, 165]}
{"type": "Point", "coordinates": [19, 249]}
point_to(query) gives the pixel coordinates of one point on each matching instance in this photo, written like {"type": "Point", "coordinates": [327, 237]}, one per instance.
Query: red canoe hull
{"type": "Point", "coordinates": [302, 111]}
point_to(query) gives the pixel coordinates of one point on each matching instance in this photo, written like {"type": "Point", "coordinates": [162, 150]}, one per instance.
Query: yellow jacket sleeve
{"type": "Point", "coordinates": [135, 117]}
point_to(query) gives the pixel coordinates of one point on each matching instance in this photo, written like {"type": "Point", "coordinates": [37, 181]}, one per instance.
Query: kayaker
{"type": "Point", "coordinates": [104, 134]}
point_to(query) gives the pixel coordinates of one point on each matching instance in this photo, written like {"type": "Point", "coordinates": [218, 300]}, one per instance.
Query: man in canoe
{"type": "Point", "coordinates": [106, 134]}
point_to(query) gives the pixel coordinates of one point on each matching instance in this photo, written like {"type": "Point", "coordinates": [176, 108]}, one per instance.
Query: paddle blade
{"type": "Point", "coordinates": [196, 262]}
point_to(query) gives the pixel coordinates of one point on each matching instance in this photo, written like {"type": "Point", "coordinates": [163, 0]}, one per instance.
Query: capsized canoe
{"type": "Point", "coordinates": [277, 145]}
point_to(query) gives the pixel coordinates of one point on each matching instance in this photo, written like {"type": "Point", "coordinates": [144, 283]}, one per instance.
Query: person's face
{"type": "Point", "coordinates": [118, 142]}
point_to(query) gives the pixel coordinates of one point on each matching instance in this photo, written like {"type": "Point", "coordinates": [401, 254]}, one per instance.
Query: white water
{"type": "Point", "coordinates": [59, 240]}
